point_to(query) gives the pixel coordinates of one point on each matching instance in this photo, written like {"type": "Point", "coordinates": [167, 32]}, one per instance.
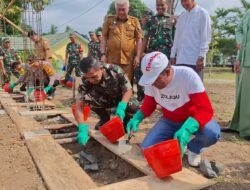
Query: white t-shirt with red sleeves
{"type": "Point", "coordinates": [183, 97]}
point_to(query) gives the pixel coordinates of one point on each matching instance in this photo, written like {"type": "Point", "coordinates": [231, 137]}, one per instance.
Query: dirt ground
{"type": "Point", "coordinates": [231, 151]}
{"type": "Point", "coordinates": [17, 170]}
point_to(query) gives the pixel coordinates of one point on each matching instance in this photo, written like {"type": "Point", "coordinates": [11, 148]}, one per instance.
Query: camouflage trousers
{"type": "Point", "coordinates": [6, 78]}
{"type": "Point", "coordinates": [69, 71]}
{"type": "Point", "coordinates": [140, 89]}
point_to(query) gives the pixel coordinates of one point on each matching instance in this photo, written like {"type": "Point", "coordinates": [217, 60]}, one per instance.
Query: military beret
{"type": "Point", "coordinates": [5, 40]}
{"type": "Point", "coordinates": [99, 33]}
{"type": "Point", "coordinates": [91, 32]}
{"type": "Point", "coordinates": [71, 35]}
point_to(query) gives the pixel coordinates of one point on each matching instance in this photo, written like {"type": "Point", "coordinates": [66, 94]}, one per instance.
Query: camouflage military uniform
{"type": "Point", "coordinates": [94, 49]}
{"type": "Point", "coordinates": [108, 93]}
{"type": "Point", "coordinates": [74, 51]}
{"type": "Point", "coordinates": [8, 57]}
{"type": "Point", "coordinates": [160, 31]}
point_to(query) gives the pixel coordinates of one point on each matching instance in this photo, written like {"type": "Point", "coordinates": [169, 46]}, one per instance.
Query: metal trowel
{"type": "Point", "coordinates": [124, 145]}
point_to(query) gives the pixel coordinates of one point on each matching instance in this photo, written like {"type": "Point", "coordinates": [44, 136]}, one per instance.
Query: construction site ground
{"type": "Point", "coordinates": [19, 172]}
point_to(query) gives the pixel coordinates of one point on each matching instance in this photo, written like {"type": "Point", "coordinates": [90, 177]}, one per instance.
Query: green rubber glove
{"type": "Point", "coordinates": [189, 127]}
{"type": "Point", "coordinates": [83, 137]}
{"type": "Point", "coordinates": [48, 88]}
{"type": "Point", "coordinates": [30, 89]}
{"type": "Point", "coordinates": [12, 86]}
{"type": "Point", "coordinates": [133, 124]}
{"type": "Point", "coordinates": [120, 111]}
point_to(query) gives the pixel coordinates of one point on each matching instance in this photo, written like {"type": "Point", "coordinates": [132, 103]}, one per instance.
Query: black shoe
{"type": "Point", "coordinates": [103, 120]}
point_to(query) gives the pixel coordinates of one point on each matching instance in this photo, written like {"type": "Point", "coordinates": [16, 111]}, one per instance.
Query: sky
{"type": "Point", "coordinates": [86, 15]}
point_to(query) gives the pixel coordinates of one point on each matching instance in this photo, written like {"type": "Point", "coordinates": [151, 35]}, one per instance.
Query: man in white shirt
{"type": "Point", "coordinates": [192, 37]}
{"type": "Point", "coordinates": [186, 107]}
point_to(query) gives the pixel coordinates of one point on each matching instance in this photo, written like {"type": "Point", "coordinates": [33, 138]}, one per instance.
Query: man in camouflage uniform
{"type": "Point", "coordinates": [99, 36]}
{"type": "Point", "coordinates": [8, 56]}
{"type": "Point", "coordinates": [138, 72]}
{"type": "Point", "coordinates": [159, 30]}
{"type": "Point", "coordinates": [105, 87]}
{"type": "Point", "coordinates": [94, 46]}
{"type": "Point", "coordinates": [73, 57]}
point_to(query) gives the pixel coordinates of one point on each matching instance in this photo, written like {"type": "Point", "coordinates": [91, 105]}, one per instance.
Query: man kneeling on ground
{"type": "Point", "coordinates": [104, 87]}
{"type": "Point", "coordinates": [32, 73]}
{"type": "Point", "coordinates": [186, 107]}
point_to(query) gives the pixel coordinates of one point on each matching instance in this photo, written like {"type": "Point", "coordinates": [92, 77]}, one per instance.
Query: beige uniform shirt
{"type": "Point", "coordinates": [42, 47]}
{"type": "Point", "coordinates": [121, 39]}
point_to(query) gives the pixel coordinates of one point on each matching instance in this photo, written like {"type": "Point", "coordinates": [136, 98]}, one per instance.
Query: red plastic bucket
{"type": "Point", "coordinates": [40, 95]}
{"type": "Point", "coordinates": [62, 81]}
{"type": "Point", "coordinates": [69, 84]}
{"type": "Point", "coordinates": [164, 158]}
{"type": "Point", "coordinates": [6, 88]}
{"type": "Point", "coordinates": [86, 110]}
{"type": "Point", "coordinates": [113, 129]}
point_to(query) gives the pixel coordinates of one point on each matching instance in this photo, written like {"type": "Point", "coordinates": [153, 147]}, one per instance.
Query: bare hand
{"type": "Point", "coordinates": [103, 58]}
{"type": "Point", "coordinates": [200, 65]}
{"type": "Point", "coordinates": [172, 61]}
{"type": "Point", "coordinates": [4, 73]}
{"type": "Point", "coordinates": [136, 61]}
{"type": "Point", "coordinates": [237, 66]}
{"type": "Point", "coordinates": [237, 46]}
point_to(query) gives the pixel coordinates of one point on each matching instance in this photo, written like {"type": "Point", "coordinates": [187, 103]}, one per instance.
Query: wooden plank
{"type": "Point", "coordinates": [185, 181]}
{"type": "Point", "coordinates": [136, 158]}
{"type": "Point", "coordinates": [49, 112]}
{"type": "Point", "coordinates": [21, 104]}
{"type": "Point", "coordinates": [59, 126]}
{"type": "Point", "coordinates": [64, 135]}
{"type": "Point", "coordinates": [35, 134]}
{"type": "Point", "coordinates": [56, 166]}
{"type": "Point", "coordinates": [66, 140]}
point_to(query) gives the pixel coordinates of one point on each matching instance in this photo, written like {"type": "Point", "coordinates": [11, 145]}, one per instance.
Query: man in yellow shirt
{"type": "Point", "coordinates": [42, 47]}
{"type": "Point", "coordinates": [122, 39]}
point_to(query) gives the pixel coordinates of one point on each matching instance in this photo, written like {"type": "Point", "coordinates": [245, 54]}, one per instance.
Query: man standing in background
{"type": "Point", "coordinates": [94, 46]}
{"type": "Point", "coordinates": [192, 37]}
{"type": "Point", "coordinates": [42, 47]}
{"type": "Point", "coordinates": [8, 56]}
{"type": "Point", "coordinates": [73, 57]}
{"type": "Point", "coordinates": [122, 39]}
{"type": "Point", "coordinates": [159, 30]}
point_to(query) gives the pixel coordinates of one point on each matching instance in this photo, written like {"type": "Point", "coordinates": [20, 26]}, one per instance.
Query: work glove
{"type": "Point", "coordinates": [48, 88]}
{"type": "Point", "coordinates": [189, 127]}
{"type": "Point", "coordinates": [82, 137]}
{"type": "Point", "coordinates": [133, 123]}
{"type": "Point", "coordinates": [30, 89]}
{"type": "Point", "coordinates": [12, 86]}
{"type": "Point", "coordinates": [120, 110]}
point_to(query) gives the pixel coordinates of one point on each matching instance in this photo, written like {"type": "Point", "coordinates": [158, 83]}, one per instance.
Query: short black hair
{"type": "Point", "coordinates": [14, 65]}
{"type": "Point", "coordinates": [31, 33]}
{"type": "Point", "coordinates": [88, 63]}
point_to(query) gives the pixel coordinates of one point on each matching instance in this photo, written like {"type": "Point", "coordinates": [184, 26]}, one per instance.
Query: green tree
{"type": "Point", "coordinates": [15, 11]}
{"type": "Point", "coordinates": [224, 23]}
{"type": "Point", "coordinates": [53, 29]}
